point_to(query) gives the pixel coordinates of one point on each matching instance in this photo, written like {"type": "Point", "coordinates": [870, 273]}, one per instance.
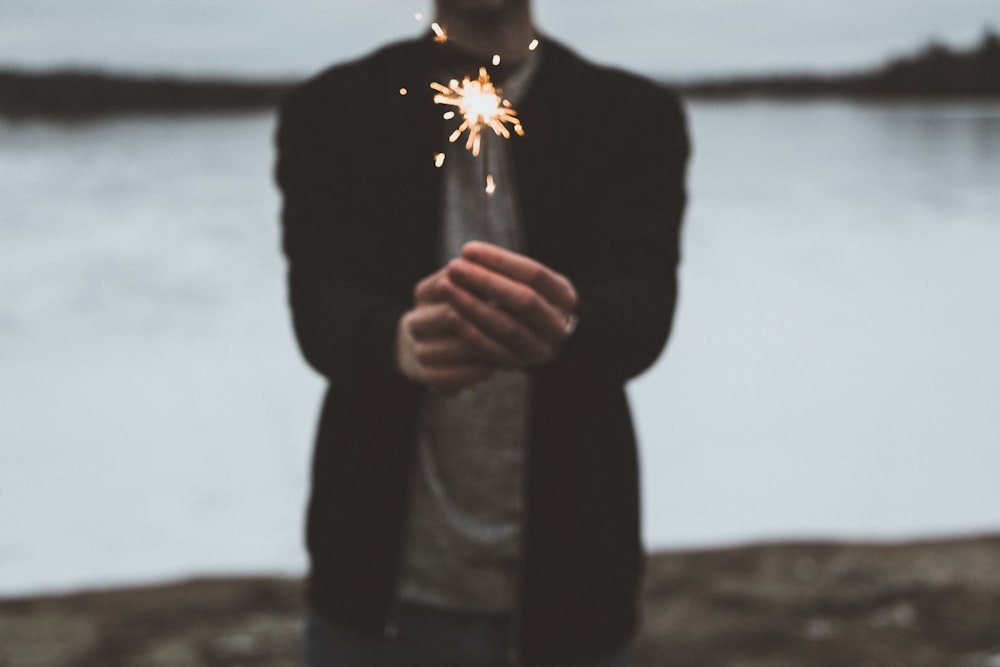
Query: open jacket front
{"type": "Point", "coordinates": [601, 187]}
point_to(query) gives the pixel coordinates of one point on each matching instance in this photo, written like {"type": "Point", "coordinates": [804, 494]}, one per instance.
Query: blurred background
{"type": "Point", "coordinates": [834, 371]}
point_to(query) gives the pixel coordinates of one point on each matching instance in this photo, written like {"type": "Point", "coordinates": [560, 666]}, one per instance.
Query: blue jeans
{"type": "Point", "coordinates": [425, 638]}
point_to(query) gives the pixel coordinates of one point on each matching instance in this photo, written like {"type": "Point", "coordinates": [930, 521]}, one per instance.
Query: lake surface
{"type": "Point", "coordinates": [834, 370]}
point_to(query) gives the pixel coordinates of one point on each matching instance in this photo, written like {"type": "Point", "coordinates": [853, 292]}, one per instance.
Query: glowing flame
{"type": "Point", "coordinates": [481, 106]}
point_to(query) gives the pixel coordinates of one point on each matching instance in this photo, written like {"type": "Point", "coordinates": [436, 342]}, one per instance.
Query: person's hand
{"type": "Point", "coordinates": [438, 347]}
{"type": "Point", "coordinates": [519, 303]}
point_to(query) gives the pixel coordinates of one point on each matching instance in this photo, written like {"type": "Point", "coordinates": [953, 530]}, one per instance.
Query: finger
{"type": "Point", "coordinates": [428, 290]}
{"type": "Point", "coordinates": [511, 334]}
{"type": "Point", "coordinates": [454, 350]}
{"type": "Point", "coordinates": [433, 321]}
{"type": "Point", "coordinates": [488, 348]}
{"type": "Point", "coordinates": [443, 336]}
{"type": "Point", "coordinates": [449, 380]}
{"type": "Point", "coordinates": [445, 352]}
{"type": "Point", "coordinates": [526, 305]}
{"type": "Point", "coordinates": [554, 286]}
{"type": "Point", "coordinates": [406, 360]}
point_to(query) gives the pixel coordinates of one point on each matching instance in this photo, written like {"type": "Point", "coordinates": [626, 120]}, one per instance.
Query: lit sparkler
{"type": "Point", "coordinates": [481, 106]}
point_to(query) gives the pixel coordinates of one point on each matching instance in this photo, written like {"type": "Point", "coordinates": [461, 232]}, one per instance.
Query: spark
{"type": "Point", "coordinates": [481, 106]}
{"type": "Point", "coordinates": [496, 60]}
{"type": "Point", "coordinates": [491, 185]}
{"type": "Point", "coordinates": [439, 34]}
{"type": "Point", "coordinates": [418, 16]}
{"type": "Point", "coordinates": [403, 91]}
{"type": "Point", "coordinates": [533, 45]}
{"type": "Point", "coordinates": [439, 160]}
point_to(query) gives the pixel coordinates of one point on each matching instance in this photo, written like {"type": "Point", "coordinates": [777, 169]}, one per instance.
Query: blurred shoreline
{"type": "Point", "coordinates": [931, 602]}
{"type": "Point", "coordinates": [937, 72]}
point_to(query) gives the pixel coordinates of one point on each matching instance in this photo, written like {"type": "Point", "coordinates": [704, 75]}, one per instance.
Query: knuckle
{"type": "Point", "coordinates": [452, 319]}
{"type": "Point", "coordinates": [526, 301]}
{"type": "Point", "coordinates": [536, 276]}
{"type": "Point", "coordinates": [463, 329]}
{"type": "Point", "coordinates": [509, 330]}
{"type": "Point", "coordinates": [472, 334]}
{"type": "Point", "coordinates": [422, 352]}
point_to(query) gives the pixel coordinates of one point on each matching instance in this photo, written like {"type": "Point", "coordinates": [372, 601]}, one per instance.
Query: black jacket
{"type": "Point", "coordinates": [601, 185]}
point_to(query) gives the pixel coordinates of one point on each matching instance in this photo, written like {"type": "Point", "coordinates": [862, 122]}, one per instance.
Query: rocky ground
{"type": "Point", "coordinates": [928, 604]}
{"type": "Point", "coordinates": [933, 604]}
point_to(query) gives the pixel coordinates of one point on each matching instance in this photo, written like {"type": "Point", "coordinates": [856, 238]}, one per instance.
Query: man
{"type": "Point", "coordinates": [474, 490]}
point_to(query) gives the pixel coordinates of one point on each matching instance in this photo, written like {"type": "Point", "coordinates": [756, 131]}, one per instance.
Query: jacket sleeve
{"type": "Point", "coordinates": [627, 280]}
{"type": "Point", "coordinates": [344, 319]}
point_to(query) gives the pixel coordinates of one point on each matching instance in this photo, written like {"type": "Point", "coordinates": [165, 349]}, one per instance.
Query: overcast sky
{"type": "Point", "coordinates": [674, 38]}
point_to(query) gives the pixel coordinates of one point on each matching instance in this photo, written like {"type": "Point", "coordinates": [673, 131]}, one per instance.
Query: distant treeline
{"type": "Point", "coordinates": [80, 94]}
{"type": "Point", "coordinates": [936, 72]}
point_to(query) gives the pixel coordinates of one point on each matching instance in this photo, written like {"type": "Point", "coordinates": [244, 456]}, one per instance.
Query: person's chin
{"type": "Point", "coordinates": [481, 7]}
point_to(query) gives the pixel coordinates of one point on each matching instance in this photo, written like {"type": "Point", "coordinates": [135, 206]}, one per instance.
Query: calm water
{"type": "Point", "coordinates": [833, 373]}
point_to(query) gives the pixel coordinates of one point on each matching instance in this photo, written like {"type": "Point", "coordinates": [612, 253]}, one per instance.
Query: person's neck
{"type": "Point", "coordinates": [507, 34]}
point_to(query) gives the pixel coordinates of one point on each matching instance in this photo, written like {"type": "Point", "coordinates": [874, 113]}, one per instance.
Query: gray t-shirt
{"type": "Point", "coordinates": [466, 499]}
